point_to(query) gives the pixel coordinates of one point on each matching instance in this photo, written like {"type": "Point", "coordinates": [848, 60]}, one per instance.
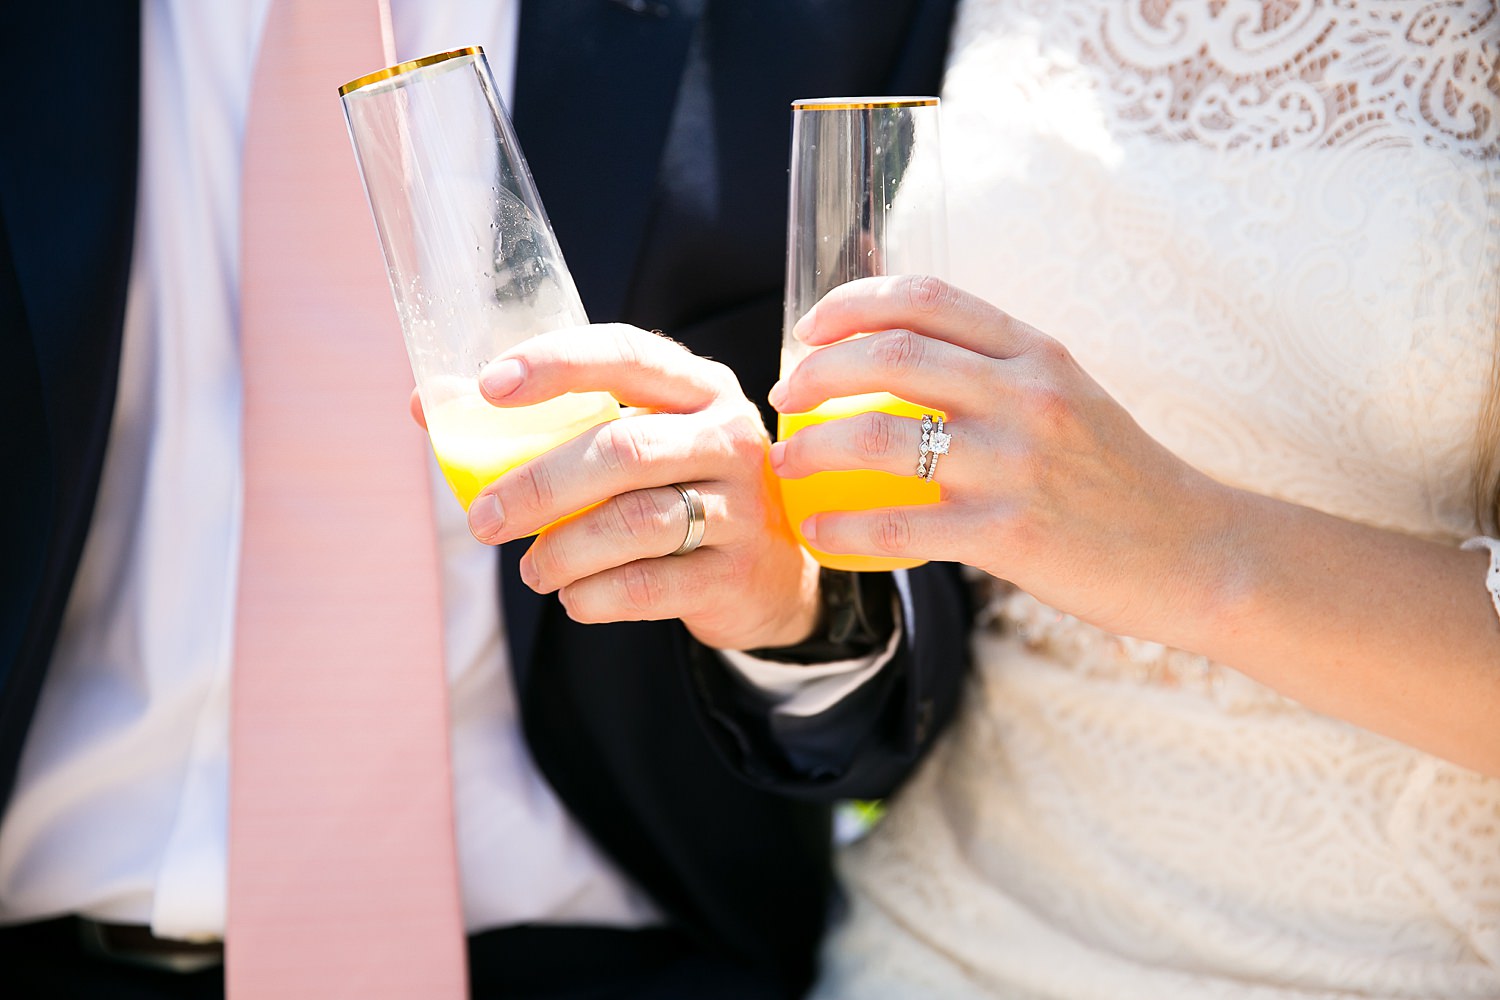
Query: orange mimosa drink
{"type": "Point", "coordinates": [860, 489]}
{"type": "Point", "coordinates": [475, 441]}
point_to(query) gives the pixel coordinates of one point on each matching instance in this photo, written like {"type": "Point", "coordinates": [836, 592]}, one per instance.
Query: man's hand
{"type": "Point", "coordinates": [749, 585]}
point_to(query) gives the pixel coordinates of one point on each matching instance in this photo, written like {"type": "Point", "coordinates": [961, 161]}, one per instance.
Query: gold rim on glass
{"type": "Point", "coordinates": [862, 103]}
{"type": "Point", "coordinates": [407, 67]}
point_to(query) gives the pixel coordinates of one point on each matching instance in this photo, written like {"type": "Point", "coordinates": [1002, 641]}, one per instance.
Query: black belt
{"type": "Point", "coordinates": [134, 944]}
{"type": "Point", "coordinates": [529, 961]}
{"type": "Point", "coordinates": [71, 939]}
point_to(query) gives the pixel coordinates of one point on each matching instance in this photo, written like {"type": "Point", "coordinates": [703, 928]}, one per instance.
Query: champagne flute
{"type": "Point", "coordinates": [867, 199]}
{"type": "Point", "coordinates": [474, 265]}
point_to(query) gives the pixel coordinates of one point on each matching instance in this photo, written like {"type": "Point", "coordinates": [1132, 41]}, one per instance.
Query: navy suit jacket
{"type": "Point", "coordinates": [658, 133]}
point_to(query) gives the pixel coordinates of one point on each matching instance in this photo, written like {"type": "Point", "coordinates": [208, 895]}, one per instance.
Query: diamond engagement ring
{"type": "Point", "coordinates": [934, 443]}
{"type": "Point", "coordinates": [697, 520]}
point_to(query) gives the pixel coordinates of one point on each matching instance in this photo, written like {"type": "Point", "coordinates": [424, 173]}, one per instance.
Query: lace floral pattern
{"type": "Point", "coordinates": [1272, 231]}
{"type": "Point", "coordinates": [1233, 73]}
{"type": "Point", "coordinates": [1092, 652]}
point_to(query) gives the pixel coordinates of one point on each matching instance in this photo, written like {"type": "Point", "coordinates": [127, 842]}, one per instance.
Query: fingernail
{"type": "Point", "coordinates": [528, 575]}
{"type": "Point", "coordinates": [810, 530]}
{"type": "Point", "coordinates": [778, 454]}
{"type": "Point", "coordinates": [777, 395]}
{"type": "Point", "coordinates": [486, 517]}
{"type": "Point", "coordinates": [501, 378]}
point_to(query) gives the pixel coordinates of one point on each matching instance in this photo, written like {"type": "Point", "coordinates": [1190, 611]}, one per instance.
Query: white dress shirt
{"type": "Point", "coordinates": [120, 807]}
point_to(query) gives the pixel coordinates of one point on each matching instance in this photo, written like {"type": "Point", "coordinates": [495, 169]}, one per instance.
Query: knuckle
{"type": "Point", "coordinates": [619, 448]}
{"type": "Point", "coordinates": [1050, 407]}
{"type": "Point", "coordinates": [533, 486]}
{"type": "Point", "coordinates": [641, 589]}
{"type": "Point", "coordinates": [926, 293]}
{"type": "Point", "coordinates": [891, 532]}
{"type": "Point", "coordinates": [1053, 353]}
{"type": "Point", "coordinates": [875, 435]}
{"type": "Point", "coordinates": [639, 514]}
{"type": "Point", "coordinates": [897, 351]}
{"type": "Point", "coordinates": [633, 344]}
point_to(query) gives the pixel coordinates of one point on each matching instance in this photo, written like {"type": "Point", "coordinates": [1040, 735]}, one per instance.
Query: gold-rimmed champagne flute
{"type": "Point", "coordinates": [474, 265]}
{"type": "Point", "coordinates": [866, 199]}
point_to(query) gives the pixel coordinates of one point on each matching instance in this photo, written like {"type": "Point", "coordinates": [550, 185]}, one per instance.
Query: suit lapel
{"type": "Point", "coordinates": [596, 83]}
{"type": "Point", "coordinates": [68, 141]}
{"type": "Point", "coordinates": [67, 198]}
{"type": "Point", "coordinates": [595, 89]}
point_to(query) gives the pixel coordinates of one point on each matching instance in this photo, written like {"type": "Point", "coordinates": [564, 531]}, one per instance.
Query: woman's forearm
{"type": "Point", "coordinates": [1390, 632]}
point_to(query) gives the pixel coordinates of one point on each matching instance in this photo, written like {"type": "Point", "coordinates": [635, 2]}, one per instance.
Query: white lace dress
{"type": "Point", "coordinates": [1272, 230]}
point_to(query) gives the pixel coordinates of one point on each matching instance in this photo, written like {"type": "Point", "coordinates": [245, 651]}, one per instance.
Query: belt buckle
{"type": "Point", "coordinates": [112, 943]}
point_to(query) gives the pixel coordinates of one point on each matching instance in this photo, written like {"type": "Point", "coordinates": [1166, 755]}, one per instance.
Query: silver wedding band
{"type": "Point", "coordinates": [697, 520]}
{"type": "Point", "coordinates": [934, 443]}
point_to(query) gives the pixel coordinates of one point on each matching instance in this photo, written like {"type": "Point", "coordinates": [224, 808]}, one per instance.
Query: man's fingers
{"type": "Point", "coordinates": [648, 589]}
{"type": "Point", "coordinates": [641, 524]}
{"type": "Point", "coordinates": [636, 367]}
{"type": "Point", "coordinates": [613, 458]}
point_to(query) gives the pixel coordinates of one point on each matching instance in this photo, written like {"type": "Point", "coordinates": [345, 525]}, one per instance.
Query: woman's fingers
{"type": "Point", "coordinates": [941, 531]}
{"type": "Point", "coordinates": [919, 369]}
{"type": "Point", "coordinates": [928, 305]}
{"type": "Point", "coordinates": [874, 440]}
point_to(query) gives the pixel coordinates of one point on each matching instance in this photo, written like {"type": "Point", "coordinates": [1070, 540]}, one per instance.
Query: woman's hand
{"type": "Point", "coordinates": [1049, 483]}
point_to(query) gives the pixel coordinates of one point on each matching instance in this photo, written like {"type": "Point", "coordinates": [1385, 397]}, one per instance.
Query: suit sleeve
{"type": "Point", "coordinates": [864, 745]}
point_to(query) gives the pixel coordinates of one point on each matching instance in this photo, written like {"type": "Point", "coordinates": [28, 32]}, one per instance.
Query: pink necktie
{"type": "Point", "coordinates": [342, 872]}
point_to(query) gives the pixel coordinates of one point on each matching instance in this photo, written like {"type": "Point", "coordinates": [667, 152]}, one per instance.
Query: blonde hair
{"type": "Point", "coordinates": [1487, 452]}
